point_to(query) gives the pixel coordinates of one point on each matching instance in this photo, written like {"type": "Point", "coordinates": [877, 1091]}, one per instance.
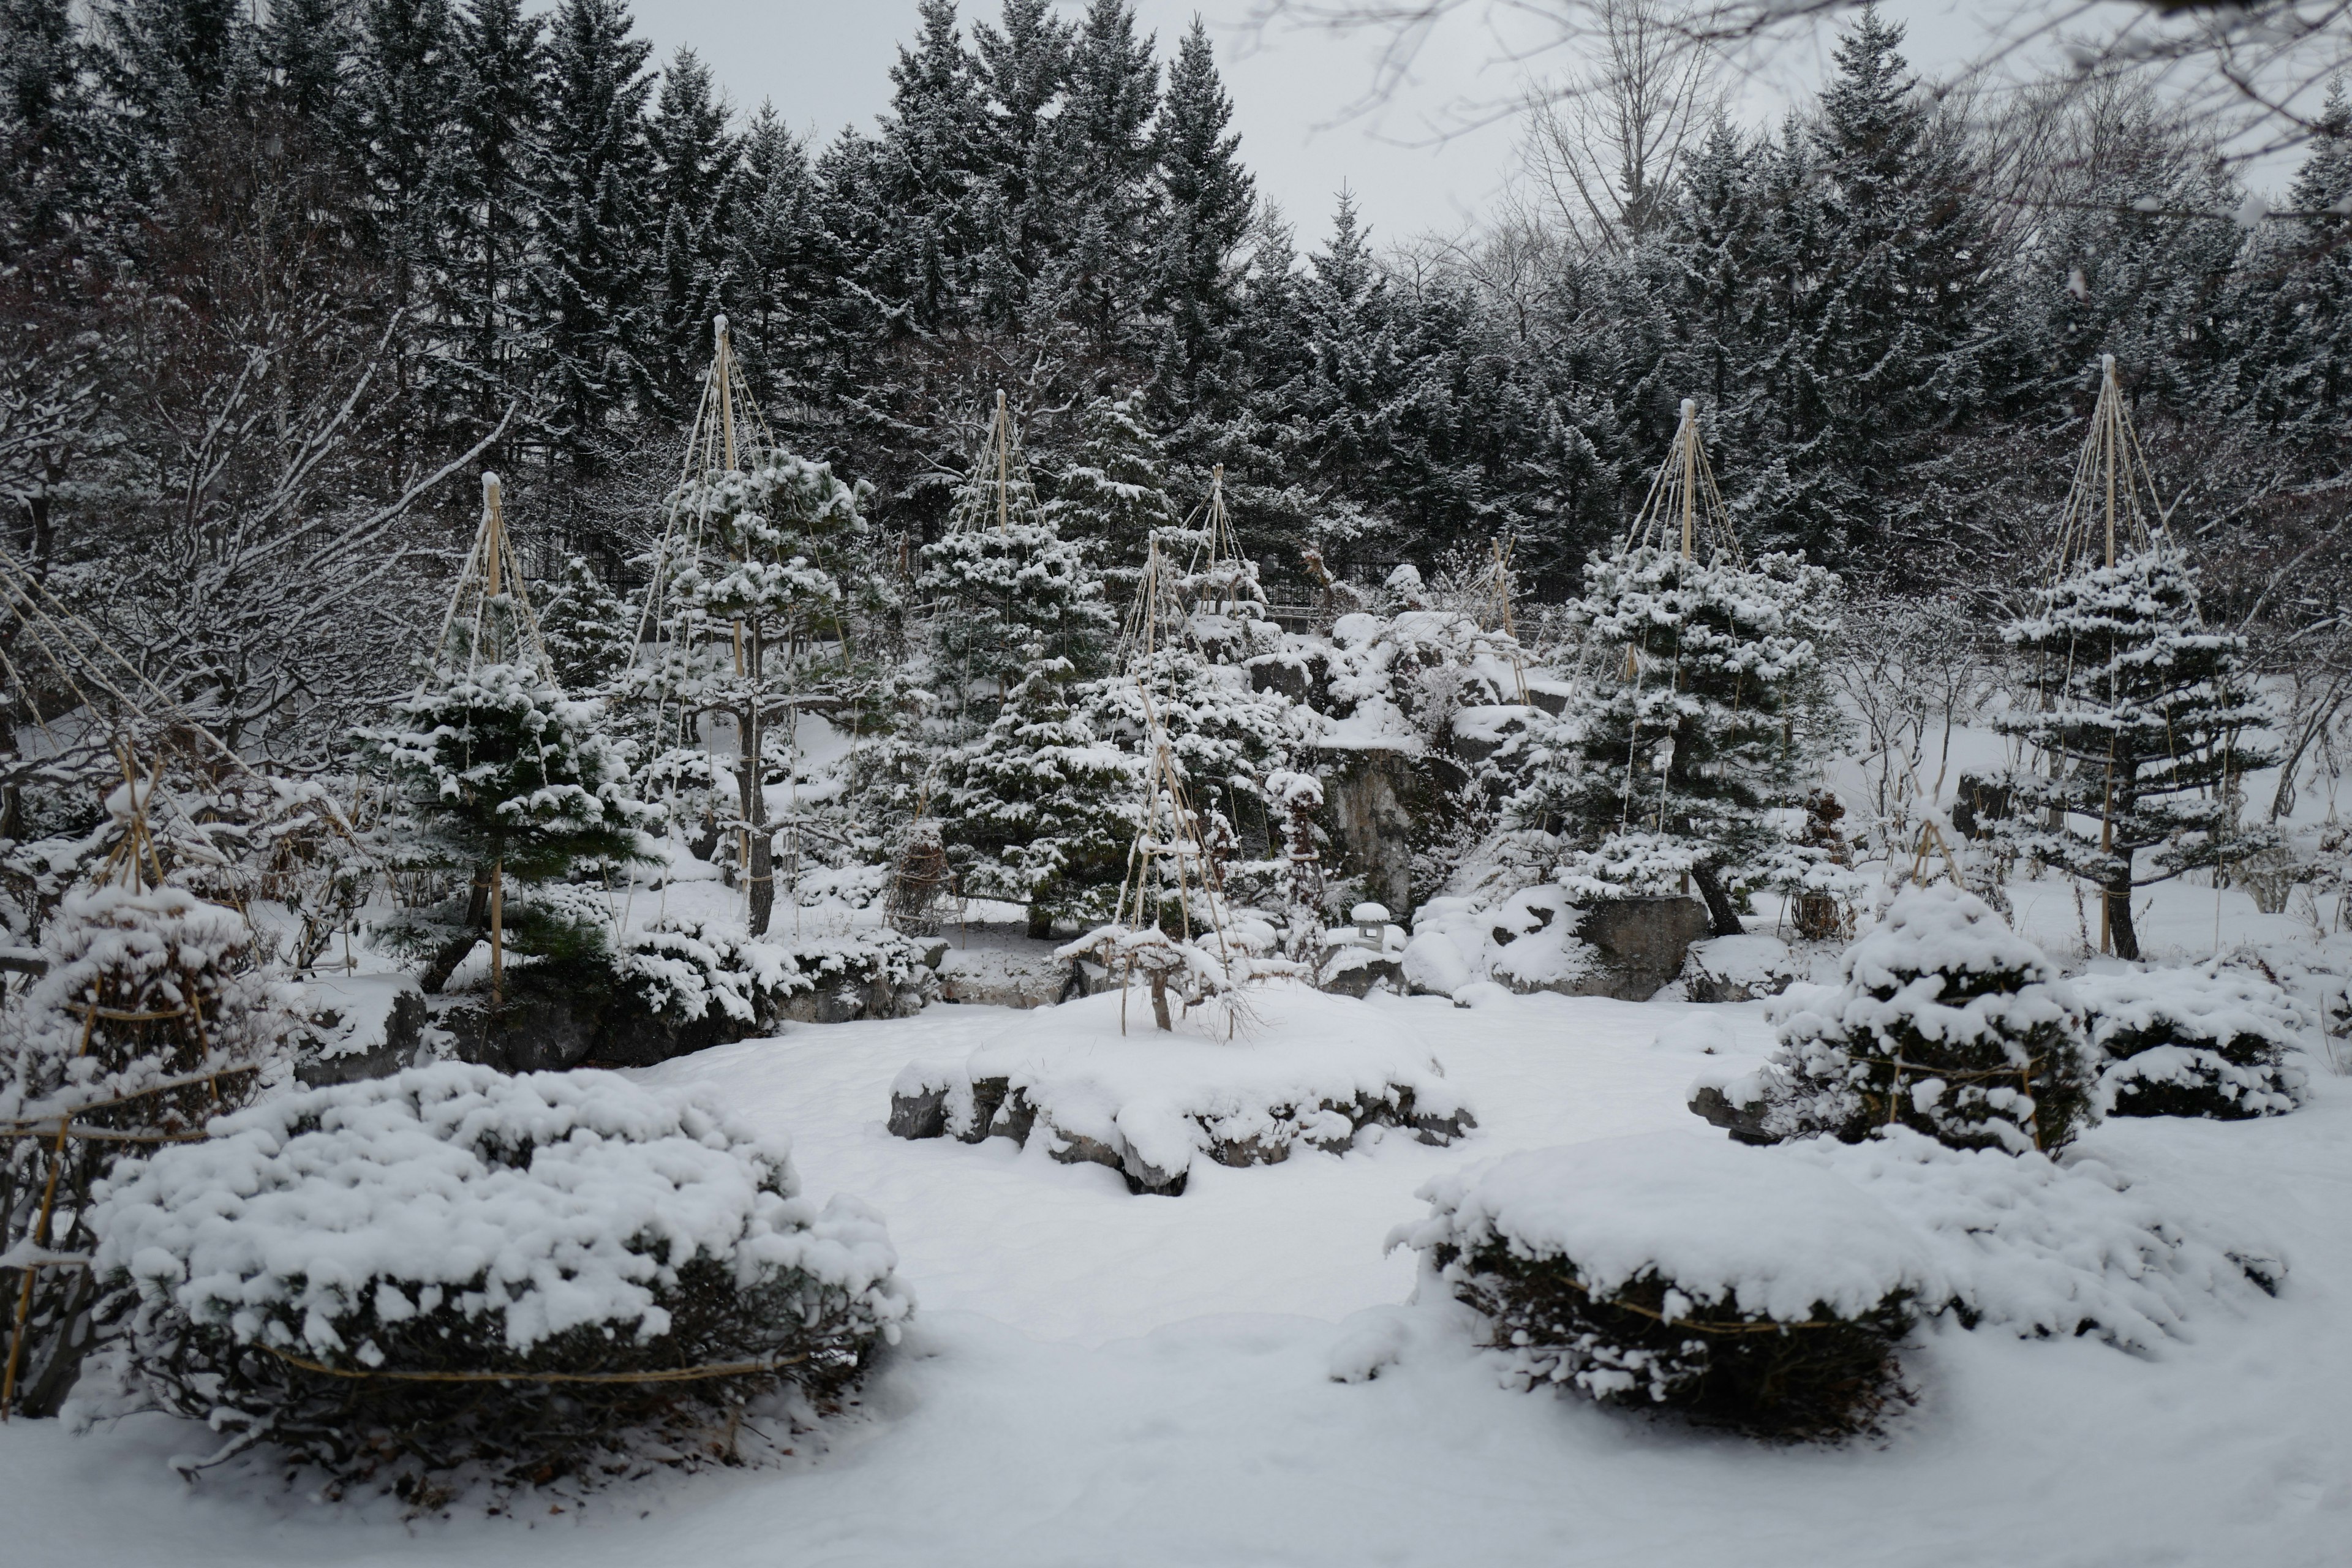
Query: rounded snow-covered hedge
{"type": "Point", "coordinates": [1736, 1284]}
{"type": "Point", "coordinates": [1948, 1022]}
{"type": "Point", "coordinates": [2189, 1043]}
{"type": "Point", "coordinates": [453, 1265]}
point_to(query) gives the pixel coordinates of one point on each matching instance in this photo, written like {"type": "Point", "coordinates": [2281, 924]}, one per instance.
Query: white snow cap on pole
{"type": "Point", "coordinates": [1690, 407]}
{"type": "Point", "coordinates": [2106, 365]}
{"type": "Point", "coordinates": [489, 486]}
{"type": "Point", "coordinates": [717, 329]}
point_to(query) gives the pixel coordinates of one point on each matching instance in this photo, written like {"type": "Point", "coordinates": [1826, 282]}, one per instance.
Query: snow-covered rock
{"type": "Point", "coordinates": [1738, 968]}
{"type": "Point", "coordinates": [1539, 939]}
{"type": "Point", "coordinates": [1247, 1083]}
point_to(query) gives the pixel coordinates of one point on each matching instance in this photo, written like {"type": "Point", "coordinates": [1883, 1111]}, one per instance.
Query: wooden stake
{"type": "Point", "coordinates": [1689, 434]}
{"type": "Point", "coordinates": [2112, 406]}
{"type": "Point", "coordinates": [1003, 466]}
{"type": "Point", "coordinates": [498, 933]}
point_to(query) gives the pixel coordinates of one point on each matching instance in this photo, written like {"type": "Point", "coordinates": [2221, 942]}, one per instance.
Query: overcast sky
{"type": "Point", "coordinates": [1411, 162]}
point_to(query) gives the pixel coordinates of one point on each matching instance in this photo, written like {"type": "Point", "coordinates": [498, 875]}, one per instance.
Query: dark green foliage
{"type": "Point", "coordinates": [1830, 1376]}
{"type": "Point", "coordinates": [1948, 1023]}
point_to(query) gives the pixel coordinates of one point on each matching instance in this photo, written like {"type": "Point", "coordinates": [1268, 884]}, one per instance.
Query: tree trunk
{"type": "Point", "coordinates": [2120, 934]}
{"type": "Point", "coordinates": [1160, 1001]}
{"type": "Point", "coordinates": [759, 863]}
{"type": "Point", "coordinates": [1720, 913]}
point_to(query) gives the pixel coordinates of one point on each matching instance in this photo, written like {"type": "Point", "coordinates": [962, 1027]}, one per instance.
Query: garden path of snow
{"type": "Point", "coordinates": [1099, 1378]}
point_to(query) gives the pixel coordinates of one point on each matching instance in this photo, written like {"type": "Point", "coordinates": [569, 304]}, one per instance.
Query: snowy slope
{"type": "Point", "coordinates": [1099, 1378]}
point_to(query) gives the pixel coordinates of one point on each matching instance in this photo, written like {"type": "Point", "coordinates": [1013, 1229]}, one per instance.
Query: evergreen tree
{"type": "Point", "coordinates": [588, 630]}
{"type": "Point", "coordinates": [402, 83]}
{"type": "Point", "coordinates": [1887, 339]}
{"type": "Point", "coordinates": [1206, 199]}
{"type": "Point", "coordinates": [47, 131]}
{"type": "Point", "coordinates": [591, 210]}
{"type": "Point", "coordinates": [2295, 295]}
{"type": "Point", "coordinates": [1023, 67]}
{"type": "Point", "coordinates": [306, 50]}
{"type": "Point", "coordinates": [1002, 581]}
{"type": "Point", "coordinates": [2145, 722]}
{"type": "Point", "coordinates": [165, 62]}
{"type": "Point", "coordinates": [694, 169]}
{"type": "Point", "coordinates": [499, 773]}
{"type": "Point", "coordinates": [1040, 809]}
{"type": "Point", "coordinates": [1113, 492]}
{"type": "Point", "coordinates": [775, 280]}
{"type": "Point", "coordinates": [1948, 1023]}
{"type": "Point", "coordinates": [760, 588]}
{"type": "Point", "coordinates": [493, 146]}
{"type": "Point", "coordinates": [924, 172]}
{"type": "Point", "coordinates": [1669, 766]}
{"type": "Point", "coordinates": [1103, 164]}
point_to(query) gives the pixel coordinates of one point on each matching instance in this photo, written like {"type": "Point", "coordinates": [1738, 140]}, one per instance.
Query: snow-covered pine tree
{"type": "Point", "coordinates": [774, 277]}
{"type": "Point", "coordinates": [591, 211]}
{"type": "Point", "coordinates": [1666, 768]}
{"type": "Point", "coordinates": [588, 630]}
{"type": "Point", "coordinates": [495, 772]}
{"type": "Point", "coordinates": [2144, 725]}
{"type": "Point", "coordinates": [403, 79]}
{"type": "Point", "coordinates": [694, 184]}
{"type": "Point", "coordinates": [1101, 156]}
{"type": "Point", "coordinates": [1040, 808]}
{"type": "Point", "coordinates": [1206, 199]}
{"type": "Point", "coordinates": [1003, 582]}
{"type": "Point", "coordinates": [1223, 736]}
{"type": "Point", "coordinates": [1112, 492]}
{"type": "Point", "coordinates": [756, 595]}
{"type": "Point", "coordinates": [490, 143]}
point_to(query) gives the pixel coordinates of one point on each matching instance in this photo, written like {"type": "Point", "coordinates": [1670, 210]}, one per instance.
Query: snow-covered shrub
{"type": "Point", "coordinates": [406, 1276]}
{"type": "Point", "coordinates": [1946, 1022]}
{"type": "Point", "coordinates": [1736, 1284]}
{"type": "Point", "coordinates": [2192, 1043]}
{"type": "Point", "coordinates": [711, 984]}
{"type": "Point", "coordinates": [147, 1022]}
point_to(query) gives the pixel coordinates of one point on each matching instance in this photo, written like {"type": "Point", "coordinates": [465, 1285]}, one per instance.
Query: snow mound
{"type": "Point", "coordinates": [1728, 1224]}
{"type": "Point", "coordinates": [1697, 1034]}
{"type": "Point", "coordinates": [1302, 1067]}
{"type": "Point", "coordinates": [2042, 1248]}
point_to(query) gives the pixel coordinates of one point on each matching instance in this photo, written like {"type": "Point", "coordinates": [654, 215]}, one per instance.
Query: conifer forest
{"type": "Point", "coordinates": [945, 843]}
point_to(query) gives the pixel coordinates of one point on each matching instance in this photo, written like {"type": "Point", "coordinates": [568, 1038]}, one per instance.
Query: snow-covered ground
{"type": "Point", "coordinates": [1101, 1378]}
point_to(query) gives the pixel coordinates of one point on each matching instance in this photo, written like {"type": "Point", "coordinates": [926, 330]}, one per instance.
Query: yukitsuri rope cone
{"type": "Point", "coordinates": [2144, 720]}
{"type": "Point", "coordinates": [745, 620]}
{"type": "Point", "coordinates": [146, 1023]}
{"type": "Point", "coordinates": [1662, 782]}
{"type": "Point", "coordinates": [1172, 871]}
